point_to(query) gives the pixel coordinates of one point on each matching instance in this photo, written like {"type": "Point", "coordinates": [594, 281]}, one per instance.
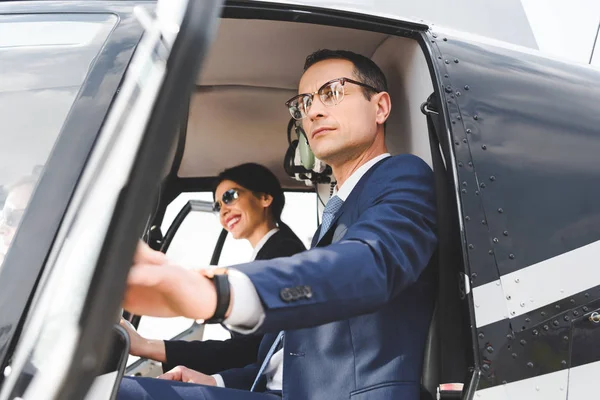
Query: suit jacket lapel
{"type": "Point", "coordinates": [351, 198]}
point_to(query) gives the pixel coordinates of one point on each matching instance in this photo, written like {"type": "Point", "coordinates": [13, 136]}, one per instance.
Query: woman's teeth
{"type": "Point", "coordinates": [232, 222]}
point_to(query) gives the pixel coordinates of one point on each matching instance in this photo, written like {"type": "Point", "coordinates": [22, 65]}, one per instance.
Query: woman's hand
{"type": "Point", "coordinates": [183, 374]}
{"type": "Point", "coordinates": [142, 347]}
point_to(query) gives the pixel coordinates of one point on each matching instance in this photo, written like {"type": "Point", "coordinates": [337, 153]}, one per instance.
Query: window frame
{"type": "Point", "coordinates": [55, 187]}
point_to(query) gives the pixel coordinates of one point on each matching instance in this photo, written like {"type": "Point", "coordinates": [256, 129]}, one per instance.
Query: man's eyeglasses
{"type": "Point", "coordinates": [228, 198]}
{"type": "Point", "coordinates": [11, 217]}
{"type": "Point", "coordinates": [331, 94]}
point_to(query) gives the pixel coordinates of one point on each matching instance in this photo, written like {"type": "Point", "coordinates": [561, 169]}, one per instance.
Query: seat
{"type": "Point", "coordinates": [430, 376]}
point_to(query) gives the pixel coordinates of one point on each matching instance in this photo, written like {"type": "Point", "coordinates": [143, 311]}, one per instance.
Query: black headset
{"type": "Point", "coordinates": [305, 170]}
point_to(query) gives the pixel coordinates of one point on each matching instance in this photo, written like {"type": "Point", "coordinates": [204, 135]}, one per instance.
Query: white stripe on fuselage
{"type": "Point", "coordinates": [538, 285]}
{"type": "Point", "coordinates": [579, 383]}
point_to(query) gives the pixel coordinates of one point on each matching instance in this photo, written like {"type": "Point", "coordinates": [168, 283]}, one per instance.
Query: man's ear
{"type": "Point", "coordinates": [384, 107]}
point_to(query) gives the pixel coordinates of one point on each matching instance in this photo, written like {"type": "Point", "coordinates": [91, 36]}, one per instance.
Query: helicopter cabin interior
{"type": "Point", "coordinates": [237, 114]}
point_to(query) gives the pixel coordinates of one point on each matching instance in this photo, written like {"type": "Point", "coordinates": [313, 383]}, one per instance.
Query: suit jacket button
{"type": "Point", "coordinates": [296, 294]}
{"type": "Point", "coordinates": [307, 292]}
{"type": "Point", "coordinates": [286, 295]}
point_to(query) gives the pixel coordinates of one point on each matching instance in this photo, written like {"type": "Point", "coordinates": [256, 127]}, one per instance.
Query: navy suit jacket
{"type": "Point", "coordinates": [356, 308]}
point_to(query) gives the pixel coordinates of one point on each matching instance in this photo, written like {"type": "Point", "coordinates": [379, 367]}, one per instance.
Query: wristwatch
{"type": "Point", "coordinates": [221, 281]}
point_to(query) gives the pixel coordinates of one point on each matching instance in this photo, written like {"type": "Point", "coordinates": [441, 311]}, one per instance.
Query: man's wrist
{"type": "Point", "coordinates": [224, 297]}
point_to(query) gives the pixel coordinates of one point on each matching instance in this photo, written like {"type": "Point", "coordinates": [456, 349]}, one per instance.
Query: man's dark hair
{"type": "Point", "coordinates": [365, 69]}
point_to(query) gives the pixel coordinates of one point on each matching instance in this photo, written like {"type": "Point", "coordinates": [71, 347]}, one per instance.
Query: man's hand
{"type": "Point", "coordinates": [157, 289]}
{"type": "Point", "coordinates": [146, 255]}
{"type": "Point", "coordinates": [183, 374]}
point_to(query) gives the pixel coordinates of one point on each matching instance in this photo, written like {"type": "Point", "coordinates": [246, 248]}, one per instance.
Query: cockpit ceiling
{"type": "Point", "coordinates": [237, 113]}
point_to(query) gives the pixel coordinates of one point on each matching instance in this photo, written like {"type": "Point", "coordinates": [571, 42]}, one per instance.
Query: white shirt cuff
{"type": "Point", "coordinates": [247, 313]}
{"type": "Point", "coordinates": [219, 379]}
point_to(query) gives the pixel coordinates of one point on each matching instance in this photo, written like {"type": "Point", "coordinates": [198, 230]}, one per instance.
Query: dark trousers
{"type": "Point", "coordinates": [159, 389]}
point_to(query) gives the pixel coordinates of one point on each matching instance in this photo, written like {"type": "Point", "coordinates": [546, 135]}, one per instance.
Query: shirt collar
{"type": "Point", "coordinates": [351, 182]}
{"type": "Point", "coordinates": [262, 242]}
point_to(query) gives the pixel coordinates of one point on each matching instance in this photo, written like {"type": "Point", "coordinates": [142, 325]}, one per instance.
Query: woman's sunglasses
{"type": "Point", "coordinates": [228, 198]}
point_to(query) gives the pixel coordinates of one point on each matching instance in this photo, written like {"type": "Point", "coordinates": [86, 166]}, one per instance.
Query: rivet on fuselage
{"type": "Point", "coordinates": [492, 178]}
{"type": "Point", "coordinates": [500, 210]}
{"type": "Point", "coordinates": [468, 131]}
{"type": "Point", "coordinates": [475, 117]}
{"type": "Point", "coordinates": [511, 256]}
{"type": "Point", "coordinates": [467, 87]}
{"type": "Point", "coordinates": [484, 147]}
{"type": "Point", "coordinates": [495, 240]}
{"type": "Point", "coordinates": [482, 185]}
{"type": "Point", "coordinates": [447, 61]}
{"type": "Point", "coordinates": [530, 364]}
{"type": "Point", "coordinates": [456, 60]}
{"type": "Point", "coordinates": [505, 233]}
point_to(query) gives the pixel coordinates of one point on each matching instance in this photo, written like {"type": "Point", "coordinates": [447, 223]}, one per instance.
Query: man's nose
{"type": "Point", "coordinates": [317, 109]}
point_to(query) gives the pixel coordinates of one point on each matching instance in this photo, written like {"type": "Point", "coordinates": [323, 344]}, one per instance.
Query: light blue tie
{"type": "Point", "coordinates": [333, 206]}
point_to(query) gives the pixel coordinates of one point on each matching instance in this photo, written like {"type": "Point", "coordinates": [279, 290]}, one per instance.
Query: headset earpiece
{"type": "Point", "coordinates": [306, 155]}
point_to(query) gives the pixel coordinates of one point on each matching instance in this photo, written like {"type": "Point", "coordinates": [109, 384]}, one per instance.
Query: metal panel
{"type": "Point", "coordinates": [583, 382]}
{"type": "Point", "coordinates": [552, 280]}
{"type": "Point", "coordinates": [546, 387]}
{"type": "Point", "coordinates": [490, 305]}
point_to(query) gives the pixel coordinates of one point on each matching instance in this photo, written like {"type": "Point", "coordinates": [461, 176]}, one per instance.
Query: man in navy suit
{"type": "Point", "coordinates": [346, 319]}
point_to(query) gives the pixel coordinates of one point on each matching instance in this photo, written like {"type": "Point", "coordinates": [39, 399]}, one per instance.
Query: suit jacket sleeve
{"type": "Point", "coordinates": [212, 356]}
{"type": "Point", "coordinates": [385, 250]}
